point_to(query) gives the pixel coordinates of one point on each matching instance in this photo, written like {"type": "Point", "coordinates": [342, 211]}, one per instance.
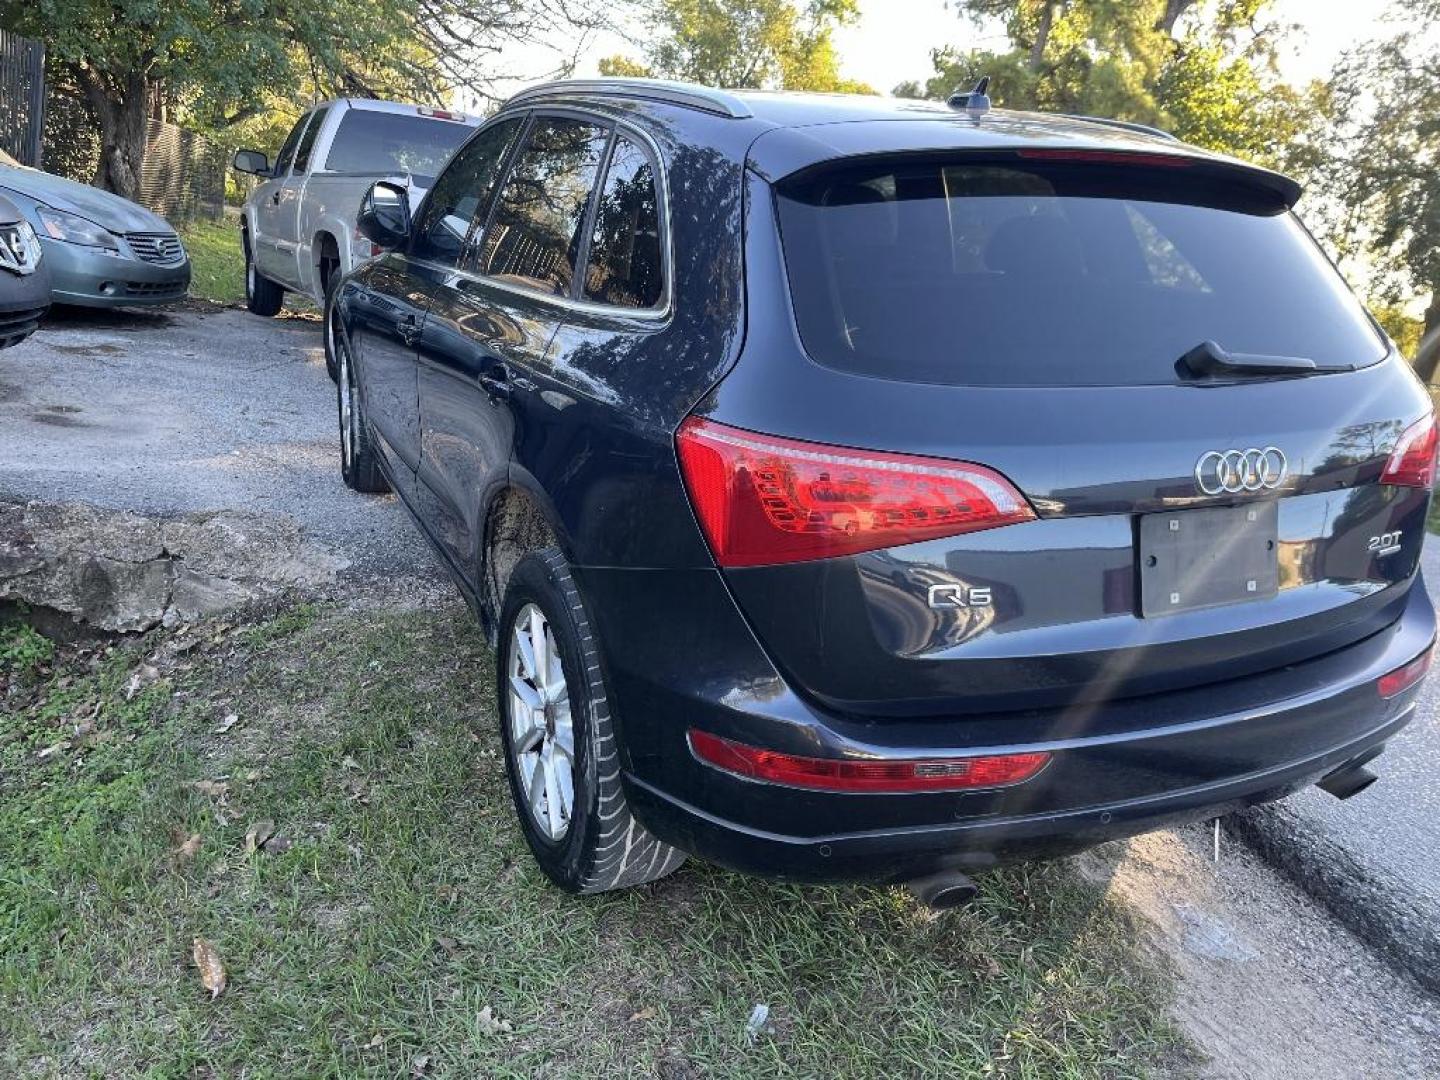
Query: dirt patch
{"type": "Point", "coordinates": [119, 571]}
{"type": "Point", "coordinates": [1269, 985]}
{"type": "Point", "coordinates": [88, 350]}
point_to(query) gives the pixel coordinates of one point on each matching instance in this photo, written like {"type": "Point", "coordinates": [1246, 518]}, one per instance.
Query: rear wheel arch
{"type": "Point", "coordinates": [516, 522]}
{"type": "Point", "coordinates": [325, 260]}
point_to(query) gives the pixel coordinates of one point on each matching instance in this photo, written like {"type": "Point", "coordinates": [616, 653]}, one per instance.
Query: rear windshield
{"type": "Point", "coordinates": [382, 143]}
{"type": "Point", "coordinates": [1022, 273]}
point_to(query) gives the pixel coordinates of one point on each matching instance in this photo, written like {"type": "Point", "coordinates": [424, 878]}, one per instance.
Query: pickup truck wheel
{"type": "Point", "coordinates": [359, 460]}
{"type": "Point", "coordinates": [560, 748]}
{"type": "Point", "coordinates": [262, 296]}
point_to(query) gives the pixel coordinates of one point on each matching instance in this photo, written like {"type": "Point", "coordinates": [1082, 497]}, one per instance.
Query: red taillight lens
{"type": "Point", "coordinates": [845, 774]}
{"type": "Point", "coordinates": [762, 499]}
{"type": "Point", "coordinates": [1402, 678]}
{"type": "Point", "coordinates": [1111, 157]}
{"type": "Point", "coordinates": [1412, 463]}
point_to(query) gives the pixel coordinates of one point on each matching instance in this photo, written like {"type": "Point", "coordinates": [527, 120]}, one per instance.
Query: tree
{"type": "Point", "coordinates": [1204, 70]}
{"type": "Point", "coordinates": [220, 57]}
{"type": "Point", "coordinates": [772, 44]}
{"type": "Point", "coordinates": [1385, 175]}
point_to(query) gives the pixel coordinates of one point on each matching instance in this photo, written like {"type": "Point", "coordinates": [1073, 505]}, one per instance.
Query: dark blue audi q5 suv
{"type": "Point", "coordinates": [869, 489]}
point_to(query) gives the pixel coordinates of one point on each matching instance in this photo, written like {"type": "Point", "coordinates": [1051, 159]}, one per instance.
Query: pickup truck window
{"type": "Point", "coordinates": [625, 267]}
{"type": "Point", "coordinates": [287, 150]}
{"type": "Point", "coordinates": [307, 141]}
{"type": "Point", "coordinates": [463, 190]}
{"type": "Point", "coordinates": [534, 234]}
{"type": "Point", "coordinates": [392, 144]}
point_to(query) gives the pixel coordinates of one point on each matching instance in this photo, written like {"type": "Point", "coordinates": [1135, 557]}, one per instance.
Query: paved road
{"type": "Point", "coordinates": [1374, 860]}
{"type": "Point", "coordinates": [181, 412]}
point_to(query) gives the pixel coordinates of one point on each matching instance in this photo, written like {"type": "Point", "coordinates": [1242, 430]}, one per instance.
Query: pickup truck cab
{"type": "Point", "coordinates": [297, 228]}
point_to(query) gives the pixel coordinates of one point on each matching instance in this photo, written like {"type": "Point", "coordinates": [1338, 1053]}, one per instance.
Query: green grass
{"type": "Point", "coordinates": [408, 902]}
{"type": "Point", "coordinates": [217, 267]}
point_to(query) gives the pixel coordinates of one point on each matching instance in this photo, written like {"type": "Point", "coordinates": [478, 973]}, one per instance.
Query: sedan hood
{"type": "Point", "coordinates": [114, 213]}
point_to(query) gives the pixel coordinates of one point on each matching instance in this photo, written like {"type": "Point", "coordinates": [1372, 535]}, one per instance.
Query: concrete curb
{"type": "Point", "coordinates": [1377, 907]}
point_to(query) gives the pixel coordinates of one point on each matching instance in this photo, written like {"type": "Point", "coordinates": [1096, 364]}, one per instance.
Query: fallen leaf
{"type": "Point", "coordinates": [225, 725]}
{"type": "Point", "coordinates": [51, 750]}
{"type": "Point", "coordinates": [189, 848]}
{"type": "Point", "coordinates": [146, 674]}
{"type": "Point", "coordinates": [277, 845]}
{"type": "Point", "coordinates": [488, 1025]}
{"type": "Point", "coordinates": [759, 1017]}
{"type": "Point", "coordinates": [376, 1041]}
{"type": "Point", "coordinates": [258, 835]}
{"type": "Point", "coordinates": [214, 788]}
{"type": "Point", "coordinates": [212, 971]}
{"type": "Point", "coordinates": [420, 1065]}
{"type": "Point", "coordinates": [348, 762]}
{"type": "Point", "coordinates": [647, 1013]}
{"type": "Point", "coordinates": [449, 944]}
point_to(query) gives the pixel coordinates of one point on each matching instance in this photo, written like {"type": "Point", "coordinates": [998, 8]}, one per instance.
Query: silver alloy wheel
{"type": "Point", "coordinates": [347, 409]}
{"type": "Point", "coordinates": [542, 736]}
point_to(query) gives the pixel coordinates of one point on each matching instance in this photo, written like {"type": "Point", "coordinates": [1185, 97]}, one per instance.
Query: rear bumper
{"type": "Point", "coordinates": [1117, 769]}
{"type": "Point", "coordinates": [81, 277]}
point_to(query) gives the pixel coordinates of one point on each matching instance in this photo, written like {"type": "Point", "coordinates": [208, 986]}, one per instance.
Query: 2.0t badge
{"type": "Point", "coordinates": [1221, 472]}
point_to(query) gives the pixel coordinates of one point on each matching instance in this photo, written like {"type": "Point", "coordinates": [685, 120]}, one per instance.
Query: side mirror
{"type": "Point", "coordinates": [384, 217]}
{"type": "Point", "coordinates": [251, 161]}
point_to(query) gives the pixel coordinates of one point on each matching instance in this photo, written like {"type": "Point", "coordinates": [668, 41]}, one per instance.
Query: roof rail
{"type": "Point", "coordinates": [686, 95]}
{"type": "Point", "coordinates": [1124, 125]}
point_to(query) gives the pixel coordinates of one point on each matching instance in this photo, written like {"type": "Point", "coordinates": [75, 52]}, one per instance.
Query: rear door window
{"type": "Point", "coordinates": [462, 191]}
{"type": "Point", "coordinates": [1021, 273]}
{"type": "Point", "coordinates": [537, 226]}
{"type": "Point", "coordinates": [625, 267]}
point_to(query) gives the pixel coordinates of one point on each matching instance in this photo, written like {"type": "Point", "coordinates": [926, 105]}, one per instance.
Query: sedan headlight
{"type": "Point", "coordinates": [74, 229]}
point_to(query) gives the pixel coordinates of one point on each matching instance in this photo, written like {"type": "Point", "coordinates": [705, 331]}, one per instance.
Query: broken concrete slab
{"type": "Point", "coordinates": [121, 571]}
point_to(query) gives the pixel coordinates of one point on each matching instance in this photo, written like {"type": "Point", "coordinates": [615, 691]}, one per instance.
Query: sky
{"type": "Point", "coordinates": [892, 40]}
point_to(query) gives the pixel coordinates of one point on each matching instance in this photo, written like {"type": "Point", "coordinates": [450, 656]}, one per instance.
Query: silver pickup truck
{"type": "Point", "coordinates": [297, 228]}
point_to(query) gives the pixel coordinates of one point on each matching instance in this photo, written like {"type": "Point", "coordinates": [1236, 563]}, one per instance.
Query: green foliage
{"type": "Point", "coordinates": [1176, 64]}
{"type": "Point", "coordinates": [23, 650]}
{"type": "Point", "coordinates": [774, 44]}
{"type": "Point", "coordinates": [1402, 327]}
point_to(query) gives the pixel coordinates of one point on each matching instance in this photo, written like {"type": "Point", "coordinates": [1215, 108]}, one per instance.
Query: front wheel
{"type": "Point", "coordinates": [560, 751]}
{"type": "Point", "coordinates": [262, 296]}
{"type": "Point", "coordinates": [359, 460]}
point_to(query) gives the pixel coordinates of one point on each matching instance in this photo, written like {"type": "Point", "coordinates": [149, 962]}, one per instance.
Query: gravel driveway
{"type": "Point", "coordinates": [181, 412]}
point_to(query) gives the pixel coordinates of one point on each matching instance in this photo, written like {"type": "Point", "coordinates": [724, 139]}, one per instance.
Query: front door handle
{"type": "Point", "coordinates": [409, 330]}
{"type": "Point", "coordinates": [275, 198]}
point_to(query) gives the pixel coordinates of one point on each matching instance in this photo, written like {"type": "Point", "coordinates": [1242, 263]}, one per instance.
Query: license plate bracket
{"type": "Point", "coordinates": [1192, 559]}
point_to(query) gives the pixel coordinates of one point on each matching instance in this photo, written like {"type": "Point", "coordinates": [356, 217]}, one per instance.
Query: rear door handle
{"type": "Point", "coordinates": [495, 381]}
{"type": "Point", "coordinates": [409, 330]}
{"type": "Point", "coordinates": [275, 199]}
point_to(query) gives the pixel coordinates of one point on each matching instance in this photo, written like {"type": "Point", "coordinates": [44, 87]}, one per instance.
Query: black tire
{"type": "Point", "coordinates": [359, 459]}
{"type": "Point", "coordinates": [603, 846]}
{"type": "Point", "coordinates": [332, 365]}
{"type": "Point", "coordinates": [262, 296]}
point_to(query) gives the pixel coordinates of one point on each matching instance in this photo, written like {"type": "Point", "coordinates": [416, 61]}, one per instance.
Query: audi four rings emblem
{"type": "Point", "coordinates": [1234, 471]}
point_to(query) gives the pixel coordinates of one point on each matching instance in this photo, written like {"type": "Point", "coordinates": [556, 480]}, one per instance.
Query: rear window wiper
{"type": "Point", "coordinates": [1209, 359]}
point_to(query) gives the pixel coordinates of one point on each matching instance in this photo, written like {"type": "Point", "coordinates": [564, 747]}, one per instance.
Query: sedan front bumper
{"type": "Point", "coordinates": [89, 278]}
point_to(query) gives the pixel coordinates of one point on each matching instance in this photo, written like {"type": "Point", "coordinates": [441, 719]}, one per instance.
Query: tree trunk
{"type": "Point", "coordinates": [121, 106]}
{"type": "Point", "coordinates": [1427, 357]}
{"type": "Point", "coordinates": [1171, 15]}
{"type": "Point", "coordinates": [1042, 35]}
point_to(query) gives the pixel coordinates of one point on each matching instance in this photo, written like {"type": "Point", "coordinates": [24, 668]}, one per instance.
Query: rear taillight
{"type": "Point", "coordinates": [846, 774]}
{"type": "Point", "coordinates": [1412, 463]}
{"type": "Point", "coordinates": [1402, 678]}
{"type": "Point", "coordinates": [440, 114]}
{"type": "Point", "coordinates": [762, 499]}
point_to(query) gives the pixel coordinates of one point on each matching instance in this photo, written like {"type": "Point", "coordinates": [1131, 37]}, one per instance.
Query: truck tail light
{"type": "Point", "coordinates": [1412, 463]}
{"type": "Point", "coordinates": [762, 499]}
{"type": "Point", "coordinates": [851, 775]}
